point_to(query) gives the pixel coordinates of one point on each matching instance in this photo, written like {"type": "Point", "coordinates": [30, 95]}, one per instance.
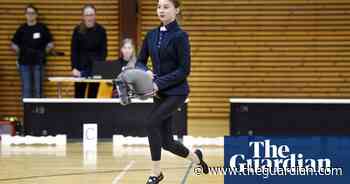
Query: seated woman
{"type": "Point", "coordinates": [127, 58]}
{"type": "Point", "coordinates": [127, 53]}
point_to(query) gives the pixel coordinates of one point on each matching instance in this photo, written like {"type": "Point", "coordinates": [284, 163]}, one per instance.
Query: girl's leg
{"type": "Point", "coordinates": [161, 113]}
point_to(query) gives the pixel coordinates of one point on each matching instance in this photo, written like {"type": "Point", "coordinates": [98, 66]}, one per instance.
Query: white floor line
{"type": "Point", "coordinates": [124, 171]}
{"type": "Point", "coordinates": [189, 168]}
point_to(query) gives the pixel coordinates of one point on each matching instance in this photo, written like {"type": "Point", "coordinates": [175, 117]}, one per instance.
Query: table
{"type": "Point", "coordinates": [282, 117]}
{"type": "Point", "coordinates": [105, 88]}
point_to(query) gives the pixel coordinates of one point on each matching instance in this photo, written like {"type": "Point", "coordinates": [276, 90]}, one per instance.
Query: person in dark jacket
{"type": "Point", "coordinates": [89, 44]}
{"type": "Point", "coordinates": [169, 49]}
{"type": "Point", "coordinates": [31, 42]}
{"type": "Point", "coordinates": [127, 59]}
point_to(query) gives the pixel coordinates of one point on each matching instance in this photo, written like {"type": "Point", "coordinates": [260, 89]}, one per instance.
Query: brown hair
{"type": "Point", "coordinates": [82, 26]}
{"type": "Point", "coordinates": [177, 4]}
{"type": "Point", "coordinates": [31, 6]}
{"type": "Point", "coordinates": [133, 58]}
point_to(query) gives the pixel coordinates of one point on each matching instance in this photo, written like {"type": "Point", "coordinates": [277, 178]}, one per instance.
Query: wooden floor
{"type": "Point", "coordinates": [208, 127]}
{"type": "Point", "coordinates": [108, 164]}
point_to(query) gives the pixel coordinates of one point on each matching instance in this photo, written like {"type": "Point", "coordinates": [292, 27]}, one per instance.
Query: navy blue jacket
{"type": "Point", "coordinates": [171, 62]}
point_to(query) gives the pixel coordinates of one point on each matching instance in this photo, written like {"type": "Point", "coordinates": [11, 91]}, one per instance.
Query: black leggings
{"type": "Point", "coordinates": [160, 127]}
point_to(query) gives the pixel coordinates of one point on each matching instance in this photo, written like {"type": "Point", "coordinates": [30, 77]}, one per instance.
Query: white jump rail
{"type": "Point", "coordinates": [120, 140]}
{"type": "Point", "coordinates": [30, 140]}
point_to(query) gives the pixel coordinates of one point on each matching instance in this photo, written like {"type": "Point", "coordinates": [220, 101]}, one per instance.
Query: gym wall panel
{"type": "Point", "coordinates": [255, 48]}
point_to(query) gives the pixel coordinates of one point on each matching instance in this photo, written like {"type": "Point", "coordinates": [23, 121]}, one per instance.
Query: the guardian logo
{"type": "Point", "coordinates": [267, 155]}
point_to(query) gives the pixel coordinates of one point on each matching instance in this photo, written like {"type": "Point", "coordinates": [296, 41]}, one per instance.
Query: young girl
{"type": "Point", "coordinates": [168, 46]}
{"type": "Point", "coordinates": [127, 59]}
{"type": "Point", "coordinates": [128, 56]}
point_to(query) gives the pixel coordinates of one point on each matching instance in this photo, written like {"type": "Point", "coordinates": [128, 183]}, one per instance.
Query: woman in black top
{"type": "Point", "coordinates": [31, 42]}
{"type": "Point", "coordinates": [89, 44]}
{"type": "Point", "coordinates": [169, 48]}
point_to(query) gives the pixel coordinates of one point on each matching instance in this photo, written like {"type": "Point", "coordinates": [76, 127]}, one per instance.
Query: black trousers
{"type": "Point", "coordinates": [81, 87]}
{"type": "Point", "coordinates": [159, 126]}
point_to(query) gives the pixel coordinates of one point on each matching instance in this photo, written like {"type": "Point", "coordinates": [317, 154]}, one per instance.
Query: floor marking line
{"type": "Point", "coordinates": [124, 171]}
{"type": "Point", "coordinates": [189, 168]}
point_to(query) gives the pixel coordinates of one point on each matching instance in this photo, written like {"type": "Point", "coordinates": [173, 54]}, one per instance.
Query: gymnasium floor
{"type": "Point", "coordinates": [53, 165]}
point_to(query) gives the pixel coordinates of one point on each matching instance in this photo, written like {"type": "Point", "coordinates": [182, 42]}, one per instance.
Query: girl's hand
{"type": "Point", "coordinates": [150, 74]}
{"type": "Point", "coordinates": [76, 73]}
{"type": "Point", "coordinates": [155, 87]}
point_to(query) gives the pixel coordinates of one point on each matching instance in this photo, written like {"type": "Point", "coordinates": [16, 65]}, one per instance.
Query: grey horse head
{"type": "Point", "coordinates": [133, 83]}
